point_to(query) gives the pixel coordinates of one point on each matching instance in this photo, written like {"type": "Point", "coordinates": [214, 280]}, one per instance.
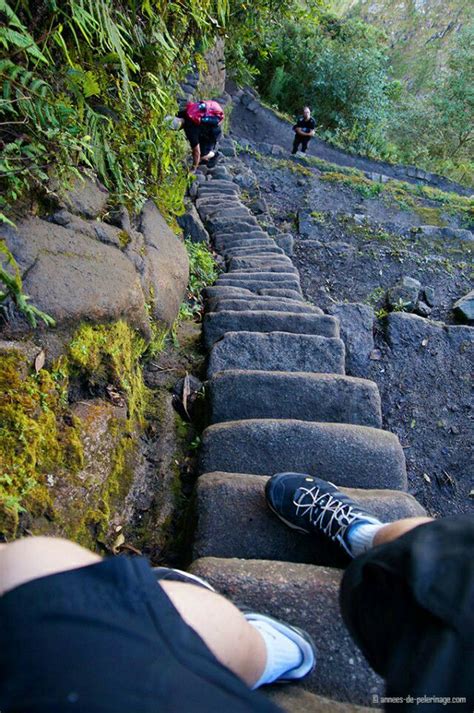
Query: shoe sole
{"type": "Point", "coordinates": [170, 574]}
{"type": "Point", "coordinates": [285, 628]}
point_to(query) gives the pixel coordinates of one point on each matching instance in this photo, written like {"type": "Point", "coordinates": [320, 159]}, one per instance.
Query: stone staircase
{"type": "Point", "coordinates": [278, 399]}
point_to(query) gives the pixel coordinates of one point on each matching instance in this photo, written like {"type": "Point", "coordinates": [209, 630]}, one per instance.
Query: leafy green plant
{"type": "Point", "coordinates": [202, 272]}
{"type": "Point", "coordinates": [89, 82]}
{"type": "Point", "coordinates": [12, 281]}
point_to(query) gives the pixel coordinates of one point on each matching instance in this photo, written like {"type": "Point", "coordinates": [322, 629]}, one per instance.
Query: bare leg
{"type": "Point", "coordinates": [234, 642]}
{"type": "Point", "coordinates": [398, 528]}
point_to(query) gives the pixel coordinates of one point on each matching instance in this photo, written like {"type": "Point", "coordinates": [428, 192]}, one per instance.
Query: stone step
{"type": "Point", "coordinates": [294, 699]}
{"type": "Point", "coordinates": [212, 208]}
{"type": "Point", "coordinates": [221, 238]}
{"type": "Point", "coordinates": [281, 292]}
{"type": "Point", "coordinates": [216, 324]}
{"type": "Point", "coordinates": [237, 215]}
{"type": "Point", "coordinates": [262, 251]}
{"type": "Point", "coordinates": [286, 280]}
{"type": "Point", "coordinates": [233, 520]}
{"type": "Point", "coordinates": [277, 351]}
{"type": "Point", "coordinates": [265, 264]}
{"type": "Point", "coordinates": [258, 285]}
{"type": "Point", "coordinates": [211, 200]}
{"type": "Point", "coordinates": [215, 291]}
{"type": "Point", "coordinates": [306, 596]}
{"type": "Point", "coordinates": [249, 243]}
{"type": "Point", "coordinates": [237, 394]}
{"type": "Point", "coordinates": [348, 455]}
{"type": "Point", "coordinates": [207, 190]}
{"type": "Point", "coordinates": [256, 302]}
{"type": "Point", "coordinates": [265, 276]}
{"type": "Point", "coordinates": [206, 210]}
{"type": "Point", "coordinates": [235, 225]}
{"type": "Point", "coordinates": [216, 187]}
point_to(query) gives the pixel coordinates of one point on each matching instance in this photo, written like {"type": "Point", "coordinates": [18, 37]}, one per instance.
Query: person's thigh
{"type": "Point", "coordinates": [33, 557]}
{"type": "Point", "coordinates": [108, 639]}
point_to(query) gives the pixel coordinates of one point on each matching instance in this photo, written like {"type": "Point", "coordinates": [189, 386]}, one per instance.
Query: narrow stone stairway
{"type": "Point", "coordinates": [278, 399]}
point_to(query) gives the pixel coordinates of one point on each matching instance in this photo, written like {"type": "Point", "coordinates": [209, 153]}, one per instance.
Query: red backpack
{"type": "Point", "coordinates": [208, 113]}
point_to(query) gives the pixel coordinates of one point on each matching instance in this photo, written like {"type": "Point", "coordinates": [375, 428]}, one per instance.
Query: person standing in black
{"type": "Point", "coordinates": [304, 130]}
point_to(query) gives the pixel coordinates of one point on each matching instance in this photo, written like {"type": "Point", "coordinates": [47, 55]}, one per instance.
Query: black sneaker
{"type": "Point", "coordinates": [312, 505]}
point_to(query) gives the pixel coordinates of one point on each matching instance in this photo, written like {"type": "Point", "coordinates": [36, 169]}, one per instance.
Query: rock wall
{"type": "Point", "coordinates": [73, 403]}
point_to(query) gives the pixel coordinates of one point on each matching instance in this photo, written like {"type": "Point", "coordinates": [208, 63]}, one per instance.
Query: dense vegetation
{"type": "Point", "coordinates": [341, 68]}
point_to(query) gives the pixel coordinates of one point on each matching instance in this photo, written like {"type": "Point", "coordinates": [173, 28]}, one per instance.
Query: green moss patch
{"type": "Point", "coordinates": [38, 438]}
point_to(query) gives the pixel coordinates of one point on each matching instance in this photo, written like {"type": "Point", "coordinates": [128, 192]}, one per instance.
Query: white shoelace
{"type": "Point", "coordinates": [340, 514]}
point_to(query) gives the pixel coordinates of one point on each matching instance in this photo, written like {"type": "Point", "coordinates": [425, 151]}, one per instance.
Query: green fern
{"type": "Point", "coordinates": [14, 289]}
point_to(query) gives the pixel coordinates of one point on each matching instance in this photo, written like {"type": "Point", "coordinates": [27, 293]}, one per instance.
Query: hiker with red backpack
{"type": "Point", "coordinates": [201, 122]}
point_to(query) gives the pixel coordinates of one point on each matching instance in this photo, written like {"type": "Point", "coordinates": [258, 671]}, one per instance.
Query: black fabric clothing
{"type": "Point", "coordinates": [300, 140]}
{"type": "Point", "coordinates": [203, 134]}
{"type": "Point", "coordinates": [306, 125]}
{"type": "Point", "coordinates": [409, 605]}
{"type": "Point", "coordinates": [106, 639]}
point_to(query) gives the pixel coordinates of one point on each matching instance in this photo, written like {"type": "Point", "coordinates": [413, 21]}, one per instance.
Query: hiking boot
{"type": "Point", "coordinates": [300, 637]}
{"type": "Point", "coordinates": [177, 575]}
{"type": "Point", "coordinates": [312, 505]}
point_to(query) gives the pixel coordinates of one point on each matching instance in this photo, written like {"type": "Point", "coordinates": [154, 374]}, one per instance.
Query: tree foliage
{"type": "Point", "coordinates": [337, 67]}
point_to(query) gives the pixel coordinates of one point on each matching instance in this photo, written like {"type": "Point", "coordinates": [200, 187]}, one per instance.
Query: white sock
{"type": "Point", "coordinates": [361, 537]}
{"type": "Point", "coordinates": [282, 653]}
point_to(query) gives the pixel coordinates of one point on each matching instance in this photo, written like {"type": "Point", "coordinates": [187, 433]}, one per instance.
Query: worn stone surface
{"type": "Point", "coordinates": [102, 426]}
{"type": "Point", "coordinates": [167, 263]}
{"type": "Point", "coordinates": [237, 394]}
{"type": "Point", "coordinates": [258, 285]}
{"type": "Point", "coordinates": [233, 520]}
{"type": "Point", "coordinates": [192, 226]}
{"type": "Point", "coordinates": [281, 292]}
{"type": "Point", "coordinates": [277, 351]}
{"type": "Point", "coordinates": [286, 242]}
{"type": "Point", "coordinates": [263, 263]}
{"type": "Point", "coordinates": [294, 699]}
{"type": "Point", "coordinates": [404, 293]}
{"type": "Point", "coordinates": [464, 307]}
{"type": "Point", "coordinates": [308, 595]}
{"type": "Point", "coordinates": [216, 324]}
{"type": "Point", "coordinates": [249, 251]}
{"type": "Point", "coordinates": [85, 196]}
{"type": "Point", "coordinates": [259, 302]}
{"type": "Point", "coordinates": [357, 323]}
{"type": "Point", "coordinates": [352, 456]}
{"type": "Point", "coordinates": [222, 291]}
{"type": "Point", "coordinates": [73, 277]}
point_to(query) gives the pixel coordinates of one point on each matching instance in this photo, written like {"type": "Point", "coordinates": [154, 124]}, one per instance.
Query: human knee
{"type": "Point", "coordinates": [29, 558]}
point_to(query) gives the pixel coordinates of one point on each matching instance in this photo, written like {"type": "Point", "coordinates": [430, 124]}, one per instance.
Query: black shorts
{"type": "Point", "coordinates": [409, 605]}
{"type": "Point", "coordinates": [107, 638]}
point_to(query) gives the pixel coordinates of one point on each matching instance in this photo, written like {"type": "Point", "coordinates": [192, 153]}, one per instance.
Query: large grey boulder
{"type": "Point", "coordinates": [357, 321]}
{"type": "Point", "coordinates": [464, 307]}
{"type": "Point", "coordinates": [73, 277]}
{"type": "Point", "coordinates": [404, 294]}
{"type": "Point", "coordinates": [237, 394]}
{"type": "Point", "coordinates": [167, 265]}
{"type": "Point", "coordinates": [85, 196]}
{"type": "Point", "coordinates": [216, 324]}
{"type": "Point", "coordinates": [277, 351]}
{"type": "Point", "coordinates": [351, 456]}
{"type": "Point", "coordinates": [192, 226]}
{"type": "Point", "coordinates": [310, 594]}
{"type": "Point", "coordinates": [234, 520]}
